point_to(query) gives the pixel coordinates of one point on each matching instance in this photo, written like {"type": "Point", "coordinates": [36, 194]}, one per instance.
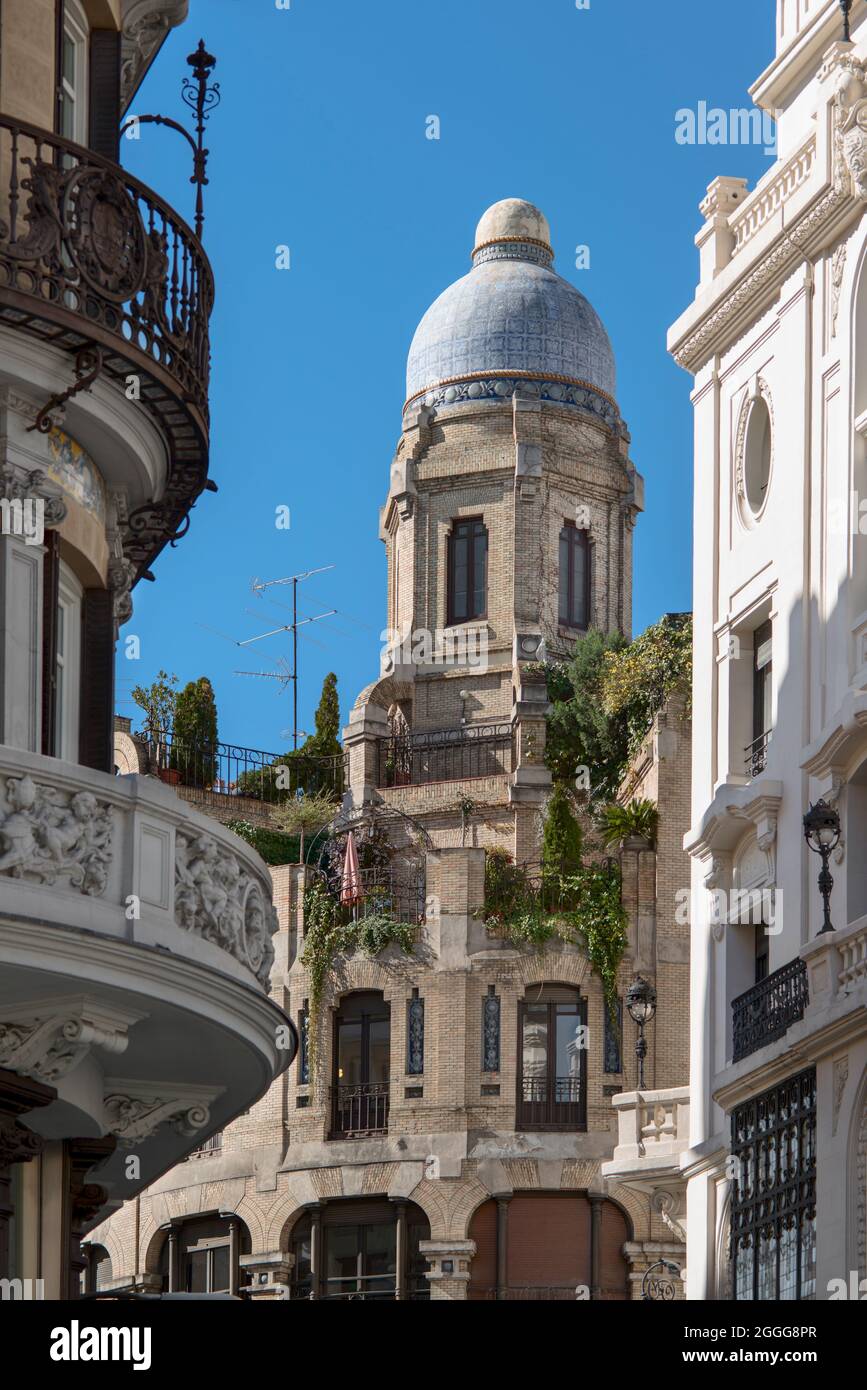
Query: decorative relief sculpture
{"type": "Point", "coordinates": [46, 834]}
{"type": "Point", "coordinates": [133, 1117]}
{"type": "Point", "coordinates": [850, 102]}
{"type": "Point", "coordinates": [49, 1044]}
{"type": "Point", "coordinates": [215, 898]}
{"type": "Point", "coordinates": [21, 485]}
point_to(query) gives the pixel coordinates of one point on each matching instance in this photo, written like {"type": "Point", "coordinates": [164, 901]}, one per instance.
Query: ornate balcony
{"type": "Point", "coordinates": [360, 1112]}
{"type": "Point", "coordinates": [766, 1012]}
{"type": "Point", "coordinates": [136, 946]}
{"type": "Point", "coordinates": [450, 755]}
{"type": "Point", "coordinates": [95, 264]}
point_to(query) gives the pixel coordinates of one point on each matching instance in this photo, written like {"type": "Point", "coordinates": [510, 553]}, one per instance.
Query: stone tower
{"type": "Point", "coordinates": [508, 529]}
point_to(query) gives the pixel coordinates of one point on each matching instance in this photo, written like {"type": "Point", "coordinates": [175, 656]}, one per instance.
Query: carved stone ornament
{"type": "Point", "coordinates": [217, 899]}
{"type": "Point", "coordinates": [841, 1076]}
{"type": "Point", "coordinates": [850, 103]}
{"type": "Point", "coordinates": [666, 1205]}
{"type": "Point", "coordinates": [759, 390]}
{"type": "Point", "coordinates": [47, 834]}
{"type": "Point", "coordinates": [21, 485]}
{"type": "Point", "coordinates": [136, 1110]}
{"type": "Point", "coordinates": [18, 1144]}
{"type": "Point", "coordinates": [145, 25]}
{"type": "Point", "coordinates": [838, 267]}
{"type": "Point", "coordinates": [46, 1041]}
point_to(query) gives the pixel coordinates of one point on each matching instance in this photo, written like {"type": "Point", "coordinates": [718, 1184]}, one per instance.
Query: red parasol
{"type": "Point", "coordinates": [350, 882]}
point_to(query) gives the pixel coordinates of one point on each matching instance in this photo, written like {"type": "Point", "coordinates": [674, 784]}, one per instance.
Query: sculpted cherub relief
{"type": "Point", "coordinates": [46, 834]}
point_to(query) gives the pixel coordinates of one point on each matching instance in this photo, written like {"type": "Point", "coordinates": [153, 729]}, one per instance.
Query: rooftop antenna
{"type": "Point", "coordinates": [258, 587]}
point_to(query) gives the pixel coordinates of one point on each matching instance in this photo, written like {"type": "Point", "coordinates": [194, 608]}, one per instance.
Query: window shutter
{"type": "Point", "coordinates": [50, 592]}
{"type": "Point", "coordinates": [96, 738]}
{"type": "Point", "coordinates": [104, 109]}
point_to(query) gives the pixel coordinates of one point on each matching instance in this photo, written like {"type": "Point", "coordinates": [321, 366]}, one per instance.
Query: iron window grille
{"type": "Point", "coordinates": [773, 1210]}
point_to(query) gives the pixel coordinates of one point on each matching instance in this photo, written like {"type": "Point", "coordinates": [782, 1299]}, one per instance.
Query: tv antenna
{"type": "Point", "coordinates": [284, 675]}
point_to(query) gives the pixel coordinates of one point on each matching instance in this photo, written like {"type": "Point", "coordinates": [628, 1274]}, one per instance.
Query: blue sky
{"type": "Point", "coordinates": [319, 144]}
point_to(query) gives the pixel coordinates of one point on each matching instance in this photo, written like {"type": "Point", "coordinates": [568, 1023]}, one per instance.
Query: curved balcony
{"type": "Point", "coordinates": [135, 952]}
{"type": "Point", "coordinates": [92, 260]}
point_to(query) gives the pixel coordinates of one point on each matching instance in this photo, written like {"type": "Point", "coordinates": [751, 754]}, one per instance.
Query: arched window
{"type": "Point", "coordinates": [200, 1256]}
{"type": "Point", "coordinates": [574, 605]}
{"type": "Point", "coordinates": [552, 1059]}
{"type": "Point", "coordinates": [366, 1250]}
{"type": "Point", "coordinates": [362, 1065]}
{"type": "Point", "coordinates": [467, 571]}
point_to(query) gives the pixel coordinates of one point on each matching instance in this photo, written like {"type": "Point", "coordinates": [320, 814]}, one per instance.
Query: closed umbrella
{"type": "Point", "coordinates": [350, 881]}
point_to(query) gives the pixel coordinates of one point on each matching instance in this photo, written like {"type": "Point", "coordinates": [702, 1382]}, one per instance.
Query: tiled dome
{"type": "Point", "coordinates": [511, 316]}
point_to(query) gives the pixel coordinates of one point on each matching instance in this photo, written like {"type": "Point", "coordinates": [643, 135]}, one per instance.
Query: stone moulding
{"type": "Point", "coordinates": [218, 900]}
{"type": "Point", "coordinates": [47, 834]}
{"type": "Point", "coordinates": [840, 199]}
{"type": "Point", "coordinates": [135, 1110]}
{"type": "Point", "coordinates": [47, 1040]}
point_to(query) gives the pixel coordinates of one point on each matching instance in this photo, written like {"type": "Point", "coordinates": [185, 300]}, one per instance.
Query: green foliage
{"type": "Point", "coordinates": [306, 814]}
{"type": "Point", "coordinates": [604, 700]}
{"type": "Point", "coordinates": [638, 817]}
{"type": "Point", "coordinates": [158, 701]}
{"type": "Point", "coordinates": [561, 840]}
{"type": "Point", "coordinates": [638, 680]}
{"type": "Point", "coordinates": [579, 733]}
{"type": "Point", "coordinates": [272, 845]}
{"type": "Point", "coordinates": [194, 745]}
{"type": "Point", "coordinates": [328, 935]}
{"type": "Point", "coordinates": [582, 907]}
{"type": "Point", "coordinates": [327, 717]}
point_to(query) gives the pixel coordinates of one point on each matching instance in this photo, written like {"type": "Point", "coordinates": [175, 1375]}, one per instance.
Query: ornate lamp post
{"type": "Point", "coordinates": [822, 833]}
{"type": "Point", "coordinates": [201, 95]}
{"type": "Point", "coordinates": [641, 1003]}
{"type": "Point", "coordinates": [846, 6]}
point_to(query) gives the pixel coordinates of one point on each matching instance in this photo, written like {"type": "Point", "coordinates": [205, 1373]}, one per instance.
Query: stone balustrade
{"type": "Point", "coordinates": [652, 1126]}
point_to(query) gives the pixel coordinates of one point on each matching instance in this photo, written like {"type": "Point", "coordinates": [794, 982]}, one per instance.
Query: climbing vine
{"type": "Point", "coordinates": [582, 907]}
{"type": "Point", "coordinates": [328, 935]}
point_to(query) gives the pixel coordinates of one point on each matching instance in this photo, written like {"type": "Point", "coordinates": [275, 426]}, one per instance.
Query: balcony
{"type": "Point", "coordinates": [756, 755]}
{"type": "Point", "coordinates": [652, 1129]}
{"type": "Point", "coordinates": [448, 755]}
{"type": "Point", "coordinates": [136, 947]}
{"type": "Point", "coordinates": [359, 1112]}
{"type": "Point", "coordinates": [551, 1103]}
{"type": "Point", "coordinates": [766, 1012]}
{"type": "Point", "coordinates": [91, 260]}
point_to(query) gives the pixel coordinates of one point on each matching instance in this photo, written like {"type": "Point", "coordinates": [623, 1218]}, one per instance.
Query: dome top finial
{"type": "Point", "coordinates": [514, 227]}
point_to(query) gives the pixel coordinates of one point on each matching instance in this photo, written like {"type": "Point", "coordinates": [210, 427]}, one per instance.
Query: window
{"type": "Point", "coordinates": [552, 1061]}
{"type": "Point", "coordinates": [73, 74]}
{"type": "Point", "coordinates": [763, 946]}
{"type": "Point", "coordinates": [467, 571]}
{"type": "Point", "coordinates": [757, 455]}
{"type": "Point", "coordinates": [757, 752]}
{"type": "Point", "coordinates": [67, 666]}
{"type": "Point", "coordinates": [362, 1244]}
{"type": "Point", "coordinates": [201, 1255]}
{"type": "Point", "coordinates": [362, 1065]}
{"type": "Point", "coordinates": [574, 577]}
{"type": "Point", "coordinates": [773, 1248]}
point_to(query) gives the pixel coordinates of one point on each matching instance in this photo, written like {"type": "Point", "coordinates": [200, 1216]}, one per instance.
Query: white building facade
{"type": "Point", "coordinates": [776, 339]}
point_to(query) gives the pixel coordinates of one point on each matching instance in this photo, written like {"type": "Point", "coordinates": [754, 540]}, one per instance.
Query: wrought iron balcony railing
{"type": "Point", "coordinates": [94, 263]}
{"type": "Point", "coordinates": [449, 755]}
{"type": "Point", "coordinates": [205, 771]}
{"type": "Point", "coordinates": [766, 1012]}
{"type": "Point", "coordinates": [359, 1112]}
{"type": "Point", "coordinates": [557, 1102]}
{"type": "Point", "coordinates": [756, 754]}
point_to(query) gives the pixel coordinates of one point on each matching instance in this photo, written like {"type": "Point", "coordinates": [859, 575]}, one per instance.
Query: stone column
{"type": "Point", "coordinates": [449, 1272]}
{"type": "Point", "coordinates": [316, 1251]}
{"type": "Point", "coordinates": [18, 1144]}
{"type": "Point", "coordinates": [401, 1251]}
{"type": "Point", "coordinates": [234, 1233]}
{"type": "Point", "coordinates": [596, 1200]}
{"type": "Point", "coordinates": [502, 1245]}
{"type": "Point", "coordinates": [172, 1241]}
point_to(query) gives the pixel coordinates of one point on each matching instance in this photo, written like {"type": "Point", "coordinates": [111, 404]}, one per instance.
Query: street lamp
{"type": "Point", "coordinates": [641, 1003]}
{"type": "Point", "coordinates": [822, 833]}
{"type": "Point", "coordinates": [845, 6]}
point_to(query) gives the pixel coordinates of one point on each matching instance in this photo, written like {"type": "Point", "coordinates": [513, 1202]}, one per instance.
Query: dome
{"type": "Point", "coordinates": [513, 322]}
